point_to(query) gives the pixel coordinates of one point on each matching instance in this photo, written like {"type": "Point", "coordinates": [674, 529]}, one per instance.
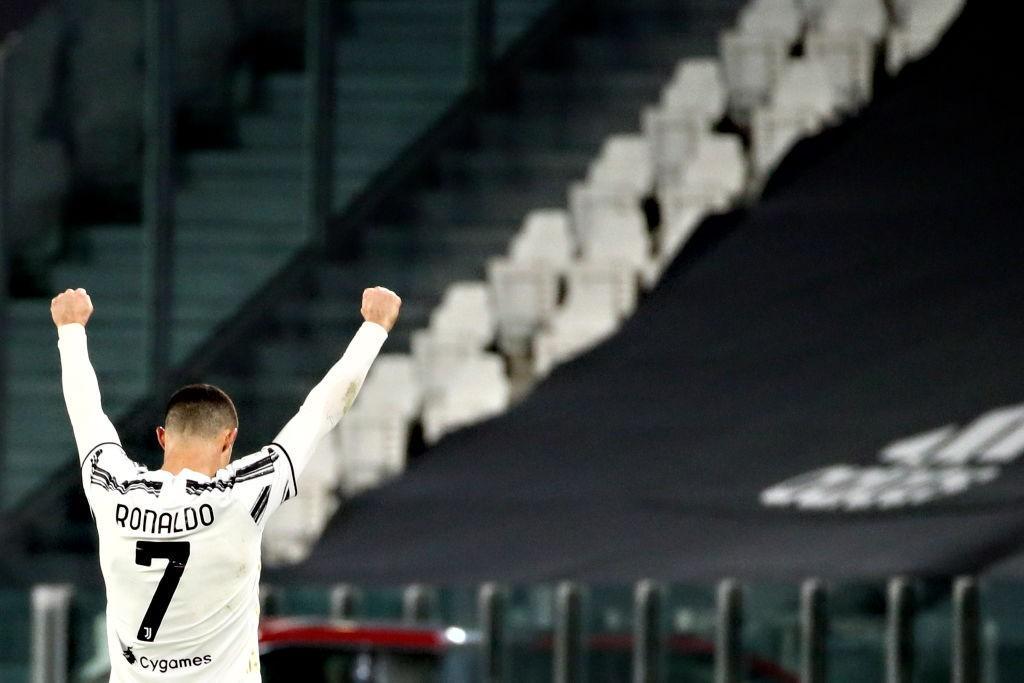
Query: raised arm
{"type": "Point", "coordinates": [71, 311]}
{"type": "Point", "coordinates": [333, 396]}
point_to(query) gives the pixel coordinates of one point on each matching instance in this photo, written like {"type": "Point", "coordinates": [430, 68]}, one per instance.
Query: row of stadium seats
{"type": "Point", "coordinates": [245, 202]}
{"type": "Point", "coordinates": [787, 98]}
{"type": "Point", "coordinates": [571, 276]}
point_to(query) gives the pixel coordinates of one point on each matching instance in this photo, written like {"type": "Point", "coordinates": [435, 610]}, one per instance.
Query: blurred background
{"type": "Point", "coordinates": [707, 366]}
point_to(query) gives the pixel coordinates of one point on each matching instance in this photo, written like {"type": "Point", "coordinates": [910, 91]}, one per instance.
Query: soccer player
{"type": "Point", "coordinates": [180, 546]}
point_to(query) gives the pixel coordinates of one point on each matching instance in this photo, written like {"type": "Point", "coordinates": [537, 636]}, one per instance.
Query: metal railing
{"type": "Point", "coordinates": [158, 190]}
{"type": "Point", "coordinates": [648, 639]}
{"type": "Point", "coordinates": [5, 201]}
{"type": "Point", "coordinates": [319, 128]}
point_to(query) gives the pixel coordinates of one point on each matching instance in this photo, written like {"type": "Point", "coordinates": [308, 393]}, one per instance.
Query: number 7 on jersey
{"type": "Point", "coordinates": [176, 553]}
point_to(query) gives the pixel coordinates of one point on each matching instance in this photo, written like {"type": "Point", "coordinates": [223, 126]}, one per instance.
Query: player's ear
{"type": "Point", "coordinates": [230, 440]}
{"type": "Point", "coordinates": [161, 437]}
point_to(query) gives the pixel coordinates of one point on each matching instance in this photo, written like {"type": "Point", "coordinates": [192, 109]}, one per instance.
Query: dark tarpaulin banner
{"type": "Point", "coordinates": [872, 295]}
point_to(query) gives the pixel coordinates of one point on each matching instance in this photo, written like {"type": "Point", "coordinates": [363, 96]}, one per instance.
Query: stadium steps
{"type": "Point", "coordinates": [240, 215]}
{"type": "Point", "coordinates": [519, 156]}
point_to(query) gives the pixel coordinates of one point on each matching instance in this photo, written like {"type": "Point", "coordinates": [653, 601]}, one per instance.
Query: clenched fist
{"type": "Point", "coordinates": [73, 306]}
{"type": "Point", "coordinates": [381, 305]}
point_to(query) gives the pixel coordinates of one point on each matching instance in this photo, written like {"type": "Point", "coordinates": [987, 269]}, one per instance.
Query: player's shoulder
{"type": "Point", "coordinates": [108, 467]}
{"type": "Point", "coordinates": [262, 464]}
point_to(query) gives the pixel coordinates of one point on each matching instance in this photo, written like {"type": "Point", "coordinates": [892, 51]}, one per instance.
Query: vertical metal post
{"type": "Point", "coordinates": [158, 189]}
{"type": "Point", "coordinates": [728, 647]}
{"type": "Point", "coordinates": [899, 632]}
{"type": "Point", "coordinates": [319, 128]}
{"type": "Point", "coordinates": [568, 663]}
{"type": "Point", "coordinates": [418, 603]}
{"type": "Point", "coordinates": [480, 34]}
{"type": "Point", "coordinates": [966, 631]}
{"type": "Point", "coordinates": [6, 156]}
{"type": "Point", "coordinates": [990, 651]}
{"type": "Point", "coordinates": [491, 605]}
{"type": "Point", "coordinates": [51, 606]}
{"type": "Point", "coordinates": [344, 601]}
{"type": "Point", "coordinates": [648, 640]}
{"type": "Point", "coordinates": [269, 600]}
{"type": "Point", "coordinates": [813, 629]}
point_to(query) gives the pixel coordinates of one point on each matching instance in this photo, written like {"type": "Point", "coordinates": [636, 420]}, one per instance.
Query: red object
{"type": "Point", "coordinates": [283, 632]}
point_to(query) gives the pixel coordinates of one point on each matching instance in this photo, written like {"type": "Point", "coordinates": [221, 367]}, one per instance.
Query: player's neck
{"type": "Point", "coordinates": [196, 458]}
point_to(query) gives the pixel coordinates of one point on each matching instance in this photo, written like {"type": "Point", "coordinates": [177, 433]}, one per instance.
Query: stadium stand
{"type": "Point", "coordinates": [591, 462]}
{"type": "Point", "coordinates": [413, 246]}
{"type": "Point", "coordinates": [601, 286]}
{"type": "Point", "coordinates": [571, 483]}
{"type": "Point", "coordinates": [245, 200]}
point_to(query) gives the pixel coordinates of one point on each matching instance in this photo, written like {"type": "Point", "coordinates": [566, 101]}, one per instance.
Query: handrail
{"type": "Point", "coordinates": [319, 128]}
{"type": "Point", "coordinates": [480, 46]}
{"type": "Point", "coordinates": [233, 330]}
{"type": "Point", "coordinates": [6, 149]}
{"type": "Point", "coordinates": [158, 190]}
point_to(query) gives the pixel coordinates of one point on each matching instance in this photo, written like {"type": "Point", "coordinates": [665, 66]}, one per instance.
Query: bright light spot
{"type": "Point", "coordinates": [455, 635]}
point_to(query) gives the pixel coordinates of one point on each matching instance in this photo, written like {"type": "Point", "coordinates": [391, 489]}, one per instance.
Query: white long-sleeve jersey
{"type": "Point", "coordinates": [180, 553]}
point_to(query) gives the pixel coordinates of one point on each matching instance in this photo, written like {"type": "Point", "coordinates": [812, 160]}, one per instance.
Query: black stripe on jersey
{"type": "Point", "coordinates": [260, 464]}
{"type": "Point", "coordinates": [295, 482]}
{"type": "Point", "coordinates": [105, 480]}
{"type": "Point", "coordinates": [261, 505]}
{"type": "Point", "coordinates": [255, 470]}
{"type": "Point", "coordinates": [95, 450]}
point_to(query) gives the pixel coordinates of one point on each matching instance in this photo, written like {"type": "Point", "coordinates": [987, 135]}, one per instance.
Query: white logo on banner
{"type": "Point", "coordinates": [915, 470]}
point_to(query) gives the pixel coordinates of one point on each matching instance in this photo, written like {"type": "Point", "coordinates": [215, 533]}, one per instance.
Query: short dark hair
{"type": "Point", "coordinates": [200, 410]}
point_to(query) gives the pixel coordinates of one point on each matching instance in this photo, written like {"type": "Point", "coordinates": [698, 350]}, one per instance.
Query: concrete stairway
{"type": "Point", "coordinates": [239, 215]}
{"type": "Point", "coordinates": [471, 200]}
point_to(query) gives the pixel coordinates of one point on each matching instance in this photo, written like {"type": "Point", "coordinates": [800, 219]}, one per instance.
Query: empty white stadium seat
{"type": "Point", "coordinates": [813, 10]}
{"type": "Point", "coordinates": [465, 311]}
{"type": "Point", "coordinates": [630, 246]}
{"type": "Point", "coordinates": [752, 64]}
{"type": "Point", "coordinates": [546, 236]}
{"type": "Point", "coordinates": [673, 136]}
{"type": "Point", "coordinates": [774, 131]}
{"type": "Point", "coordinates": [613, 226]}
{"type": "Point", "coordinates": [573, 331]}
{"type": "Point", "coordinates": [805, 85]}
{"type": "Point", "coordinates": [624, 164]}
{"type": "Point", "coordinates": [437, 356]}
{"type": "Point", "coordinates": [849, 60]}
{"type": "Point", "coordinates": [525, 294]}
{"type": "Point", "coordinates": [476, 390]}
{"type": "Point", "coordinates": [392, 386]}
{"type": "Point", "coordinates": [598, 210]}
{"type": "Point", "coordinates": [921, 24]}
{"type": "Point", "coordinates": [804, 101]}
{"type": "Point", "coordinates": [780, 18]}
{"type": "Point", "coordinates": [697, 87]}
{"type": "Point", "coordinates": [373, 445]}
{"type": "Point", "coordinates": [715, 177]}
{"type": "Point", "coordinates": [602, 285]}
{"type": "Point", "coordinates": [868, 17]}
